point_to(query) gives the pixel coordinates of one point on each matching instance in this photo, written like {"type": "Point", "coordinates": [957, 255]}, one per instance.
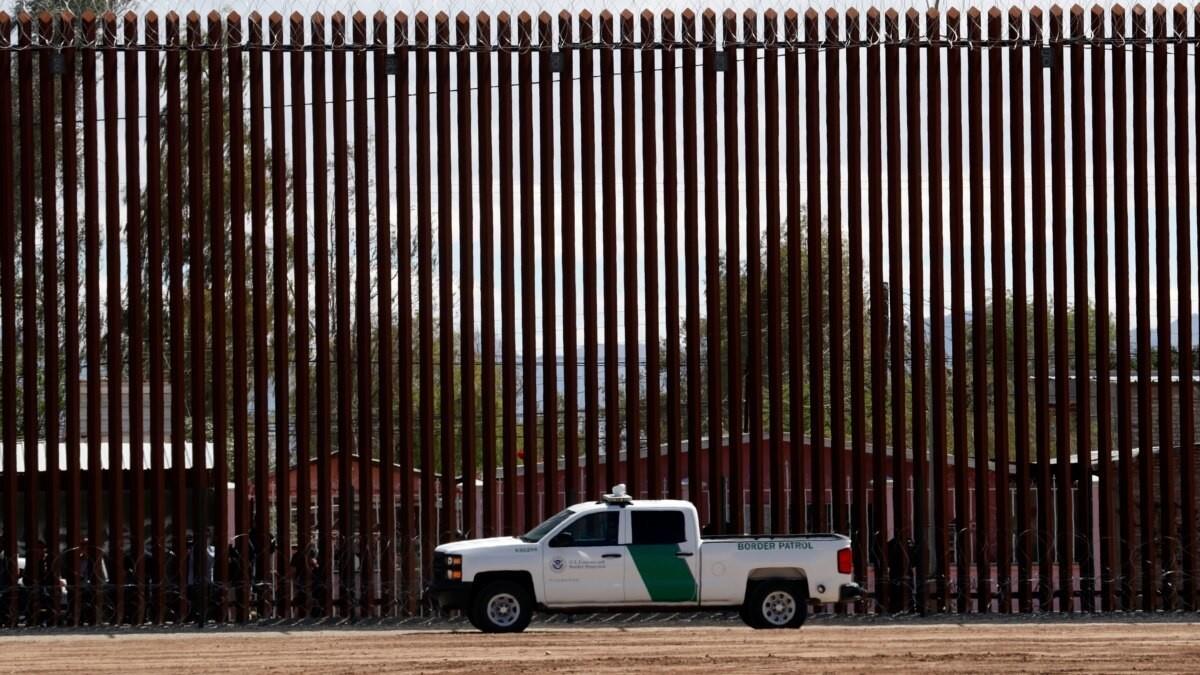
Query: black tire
{"type": "Point", "coordinates": [776, 604]}
{"type": "Point", "coordinates": [747, 618]}
{"type": "Point", "coordinates": [502, 607]}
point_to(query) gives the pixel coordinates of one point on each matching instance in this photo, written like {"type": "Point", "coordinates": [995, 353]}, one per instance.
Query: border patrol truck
{"type": "Point", "coordinates": [621, 554]}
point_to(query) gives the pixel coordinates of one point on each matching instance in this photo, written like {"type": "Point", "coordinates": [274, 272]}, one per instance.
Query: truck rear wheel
{"type": "Point", "coordinates": [776, 604]}
{"type": "Point", "coordinates": [502, 607]}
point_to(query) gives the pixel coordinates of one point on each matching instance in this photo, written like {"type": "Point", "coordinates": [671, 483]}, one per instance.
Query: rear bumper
{"type": "Point", "coordinates": [850, 591]}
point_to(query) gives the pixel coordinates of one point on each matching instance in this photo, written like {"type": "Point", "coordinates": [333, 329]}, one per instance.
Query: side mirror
{"type": "Point", "coordinates": [562, 539]}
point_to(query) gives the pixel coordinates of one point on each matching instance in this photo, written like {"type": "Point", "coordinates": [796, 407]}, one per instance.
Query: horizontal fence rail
{"type": "Point", "coordinates": [286, 303]}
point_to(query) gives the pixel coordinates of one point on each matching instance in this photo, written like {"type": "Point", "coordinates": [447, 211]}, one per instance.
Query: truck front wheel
{"type": "Point", "coordinates": [502, 607]}
{"type": "Point", "coordinates": [776, 604]}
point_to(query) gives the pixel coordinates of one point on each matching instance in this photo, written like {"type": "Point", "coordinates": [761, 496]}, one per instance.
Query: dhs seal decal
{"type": "Point", "coordinates": [557, 564]}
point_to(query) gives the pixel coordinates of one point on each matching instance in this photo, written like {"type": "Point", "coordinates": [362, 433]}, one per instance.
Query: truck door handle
{"type": "Point", "coordinates": [683, 554]}
{"type": "Point", "coordinates": [611, 555]}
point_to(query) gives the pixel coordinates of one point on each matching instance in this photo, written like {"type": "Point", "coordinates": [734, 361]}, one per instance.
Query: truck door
{"type": "Point", "coordinates": [583, 564]}
{"type": "Point", "coordinates": [662, 566]}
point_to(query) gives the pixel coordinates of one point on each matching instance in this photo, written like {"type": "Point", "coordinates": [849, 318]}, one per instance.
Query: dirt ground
{"type": "Point", "coordinates": [898, 647]}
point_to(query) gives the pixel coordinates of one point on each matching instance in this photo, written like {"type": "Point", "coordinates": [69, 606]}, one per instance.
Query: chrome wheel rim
{"type": "Point", "coordinates": [503, 610]}
{"type": "Point", "coordinates": [778, 608]}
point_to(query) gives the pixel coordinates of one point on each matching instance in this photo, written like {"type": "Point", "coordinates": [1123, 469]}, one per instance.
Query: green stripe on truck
{"type": "Point", "coordinates": [666, 576]}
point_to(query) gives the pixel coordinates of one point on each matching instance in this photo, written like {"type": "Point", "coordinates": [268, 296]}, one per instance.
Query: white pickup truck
{"type": "Point", "coordinates": [617, 554]}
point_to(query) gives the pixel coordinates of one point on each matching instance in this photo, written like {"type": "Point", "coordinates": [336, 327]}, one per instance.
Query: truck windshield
{"type": "Point", "coordinates": [550, 523]}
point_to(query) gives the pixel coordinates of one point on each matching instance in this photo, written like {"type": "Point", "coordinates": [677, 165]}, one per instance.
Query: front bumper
{"type": "Point", "coordinates": [450, 594]}
{"type": "Point", "coordinates": [850, 591]}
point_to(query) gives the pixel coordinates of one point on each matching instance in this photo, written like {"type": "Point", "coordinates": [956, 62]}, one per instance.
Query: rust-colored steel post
{"type": "Point", "coordinates": [1141, 209]}
{"type": "Point", "coordinates": [612, 373]}
{"type": "Point", "coordinates": [691, 226]}
{"type": "Point", "coordinates": [774, 273]}
{"type": "Point", "coordinates": [466, 228]}
{"type": "Point", "coordinates": [671, 262]}
{"type": "Point", "coordinates": [587, 156]}
{"type": "Point", "coordinates": [814, 249]}
{"type": "Point", "coordinates": [1000, 350]}
{"type": "Point", "coordinates": [733, 287]}
{"type": "Point", "coordinates": [487, 284]}
{"type": "Point", "coordinates": [566, 158]}
{"type": "Point", "coordinates": [71, 357]}
{"type": "Point", "coordinates": [1168, 538]}
{"type": "Point", "coordinates": [155, 577]}
{"type": "Point", "coordinates": [837, 354]}
{"type": "Point", "coordinates": [1022, 525]}
{"type": "Point", "coordinates": [198, 556]}
{"type": "Point", "coordinates": [1124, 412]}
{"type": "Point", "coordinates": [1079, 249]}
{"type": "Point", "coordinates": [1187, 414]}
{"type": "Point", "coordinates": [362, 319]}
{"type": "Point", "coordinates": [878, 299]}
{"type": "Point", "coordinates": [303, 354]}
{"type": "Point", "coordinates": [958, 311]}
{"type": "Point", "coordinates": [429, 521]}
{"type": "Point", "coordinates": [29, 277]}
{"type": "Point", "coordinates": [550, 501]}
{"type": "Point", "coordinates": [1109, 564]}
{"type": "Point", "coordinates": [49, 300]}
{"type": "Point", "coordinates": [629, 259]}
{"type": "Point", "coordinates": [259, 533]}
{"type": "Point", "coordinates": [937, 326]}
{"type": "Point", "coordinates": [8, 324]}
{"type": "Point", "coordinates": [279, 329]}
{"type": "Point", "coordinates": [26, 157]}
{"type": "Point", "coordinates": [216, 219]}
{"type": "Point", "coordinates": [859, 530]}
{"type": "Point", "coordinates": [1065, 529]}
{"type": "Point", "coordinates": [345, 541]}
{"type": "Point", "coordinates": [979, 310]}
{"type": "Point", "coordinates": [797, 519]}
{"type": "Point", "coordinates": [92, 284]}
{"type": "Point", "coordinates": [179, 509]}
{"type": "Point", "coordinates": [1187, 392]}
{"type": "Point", "coordinates": [237, 276]}
{"type": "Point", "coordinates": [916, 247]}
{"type": "Point", "coordinates": [404, 347]}
{"type": "Point", "coordinates": [253, 535]}
{"type": "Point", "coordinates": [1037, 163]}
{"type": "Point", "coordinates": [448, 514]}
{"type": "Point", "coordinates": [754, 287]}
{"type": "Point", "coordinates": [114, 361]}
{"type": "Point", "coordinates": [902, 530]}
{"type": "Point", "coordinates": [507, 309]}
{"type": "Point", "coordinates": [529, 440]}
{"type": "Point", "coordinates": [654, 475]}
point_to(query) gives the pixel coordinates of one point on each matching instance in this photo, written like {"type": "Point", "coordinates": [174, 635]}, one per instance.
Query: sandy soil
{"type": "Point", "coordinates": [973, 647]}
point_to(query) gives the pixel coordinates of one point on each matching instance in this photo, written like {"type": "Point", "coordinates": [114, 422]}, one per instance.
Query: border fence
{"type": "Point", "coordinates": [286, 303]}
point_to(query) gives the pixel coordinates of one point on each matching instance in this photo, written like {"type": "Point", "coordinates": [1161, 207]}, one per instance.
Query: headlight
{"type": "Point", "coordinates": [454, 567]}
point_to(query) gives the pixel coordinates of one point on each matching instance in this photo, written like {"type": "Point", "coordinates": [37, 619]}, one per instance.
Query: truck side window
{"type": "Point", "coordinates": [658, 527]}
{"type": "Point", "coordinates": [595, 529]}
